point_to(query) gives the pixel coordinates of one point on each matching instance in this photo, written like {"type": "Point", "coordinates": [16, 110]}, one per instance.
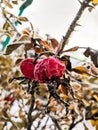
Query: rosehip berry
{"type": "Point", "coordinates": [27, 68]}
{"type": "Point", "coordinates": [48, 68]}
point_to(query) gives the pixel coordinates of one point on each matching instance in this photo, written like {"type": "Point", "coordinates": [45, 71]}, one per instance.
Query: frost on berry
{"type": "Point", "coordinates": [27, 68]}
{"type": "Point", "coordinates": [48, 68]}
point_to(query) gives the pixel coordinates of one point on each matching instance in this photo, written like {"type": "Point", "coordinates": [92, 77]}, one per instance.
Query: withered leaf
{"type": "Point", "coordinates": [80, 70]}
{"type": "Point", "coordinates": [25, 32]}
{"type": "Point", "coordinates": [63, 90]}
{"type": "Point", "coordinates": [28, 46]}
{"type": "Point", "coordinates": [54, 109]}
{"type": "Point", "coordinates": [46, 45]}
{"type": "Point", "coordinates": [84, 71]}
{"type": "Point", "coordinates": [38, 50]}
{"type": "Point", "coordinates": [54, 42]}
{"type": "Point", "coordinates": [72, 49]}
{"type": "Point", "coordinates": [9, 34]}
{"type": "Point", "coordinates": [7, 4]}
{"type": "Point", "coordinates": [18, 61]}
{"type": "Point", "coordinates": [23, 37]}
{"type": "Point", "coordinates": [15, 2]}
{"type": "Point", "coordinates": [22, 19]}
{"type": "Point", "coordinates": [6, 26]}
{"type": "Point", "coordinates": [11, 48]}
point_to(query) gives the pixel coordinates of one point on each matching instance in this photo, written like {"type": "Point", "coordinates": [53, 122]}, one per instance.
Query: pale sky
{"type": "Point", "coordinates": [54, 17]}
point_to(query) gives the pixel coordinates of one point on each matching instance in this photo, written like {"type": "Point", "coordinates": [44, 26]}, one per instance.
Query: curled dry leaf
{"type": "Point", "coordinates": [24, 19]}
{"type": "Point", "coordinates": [54, 42]}
{"type": "Point", "coordinates": [6, 26]}
{"type": "Point", "coordinates": [8, 4]}
{"type": "Point", "coordinates": [28, 46]}
{"type": "Point", "coordinates": [38, 50]}
{"type": "Point", "coordinates": [15, 2]}
{"type": "Point", "coordinates": [11, 48]}
{"type": "Point", "coordinates": [80, 70]}
{"type": "Point", "coordinates": [72, 49]}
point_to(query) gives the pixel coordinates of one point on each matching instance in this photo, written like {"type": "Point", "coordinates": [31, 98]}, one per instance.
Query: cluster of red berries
{"type": "Point", "coordinates": [44, 70]}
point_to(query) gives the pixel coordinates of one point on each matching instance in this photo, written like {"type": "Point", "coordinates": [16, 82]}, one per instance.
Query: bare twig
{"type": "Point", "coordinates": [45, 123]}
{"type": "Point", "coordinates": [74, 23]}
{"type": "Point", "coordinates": [55, 122]}
{"type": "Point", "coordinates": [74, 124]}
{"type": "Point", "coordinates": [39, 122]}
{"type": "Point", "coordinates": [31, 107]}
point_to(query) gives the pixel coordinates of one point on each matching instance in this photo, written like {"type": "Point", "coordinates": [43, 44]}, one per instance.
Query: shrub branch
{"type": "Point", "coordinates": [74, 23]}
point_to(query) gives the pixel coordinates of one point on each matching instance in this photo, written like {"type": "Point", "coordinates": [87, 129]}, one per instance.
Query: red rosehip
{"type": "Point", "coordinates": [48, 68]}
{"type": "Point", "coordinates": [27, 68]}
{"type": "Point", "coordinates": [9, 99]}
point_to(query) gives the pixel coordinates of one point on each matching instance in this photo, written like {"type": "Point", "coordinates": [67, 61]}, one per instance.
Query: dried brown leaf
{"type": "Point", "coordinates": [7, 4]}
{"type": "Point", "coordinates": [15, 2]}
{"type": "Point", "coordinates": [24, 19]}
{"type": "Point", "coordinates": [23, 37]}
{"type": "Point", "coordinates": [54, 109]}
{"type": "Point", "coordinates": [26, 32]}
{"type": "Point", "coordinates": [80, 70]}
{"type": "Point", "coordinates": [46, 45]}
{"type": "Point", "coordinates": [54, 42]}
{"type": "Point", "coordinates": [72, 49]}
{"type": "Point", "coordinates": [11, 48]}
{"type": "Point", "coordinates": [6, 26]}
{"type": "Point", "coordinates": [9, 34]}
{"type": "Point", "coordinates": [18, 61]}
{"type": "Point", "coordinates": [38, 50]}
{"type": "Point", "coordinates": [28, 46]}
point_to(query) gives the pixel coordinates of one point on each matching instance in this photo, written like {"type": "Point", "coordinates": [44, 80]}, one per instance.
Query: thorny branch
{"type": "Point", "coordinates": [74, 23]}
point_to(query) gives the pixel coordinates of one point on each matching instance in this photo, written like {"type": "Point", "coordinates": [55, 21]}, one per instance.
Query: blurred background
{"type": "Point", "coordinates": [54, 17]}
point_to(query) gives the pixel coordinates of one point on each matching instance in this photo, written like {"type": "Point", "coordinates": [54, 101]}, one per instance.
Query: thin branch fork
{"type": "Point", "coordinates": [31, 107]}
{"type": "Point", "coordinates": [55, 122]}
{"type": "Point", "coordinates": [74, 23]}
